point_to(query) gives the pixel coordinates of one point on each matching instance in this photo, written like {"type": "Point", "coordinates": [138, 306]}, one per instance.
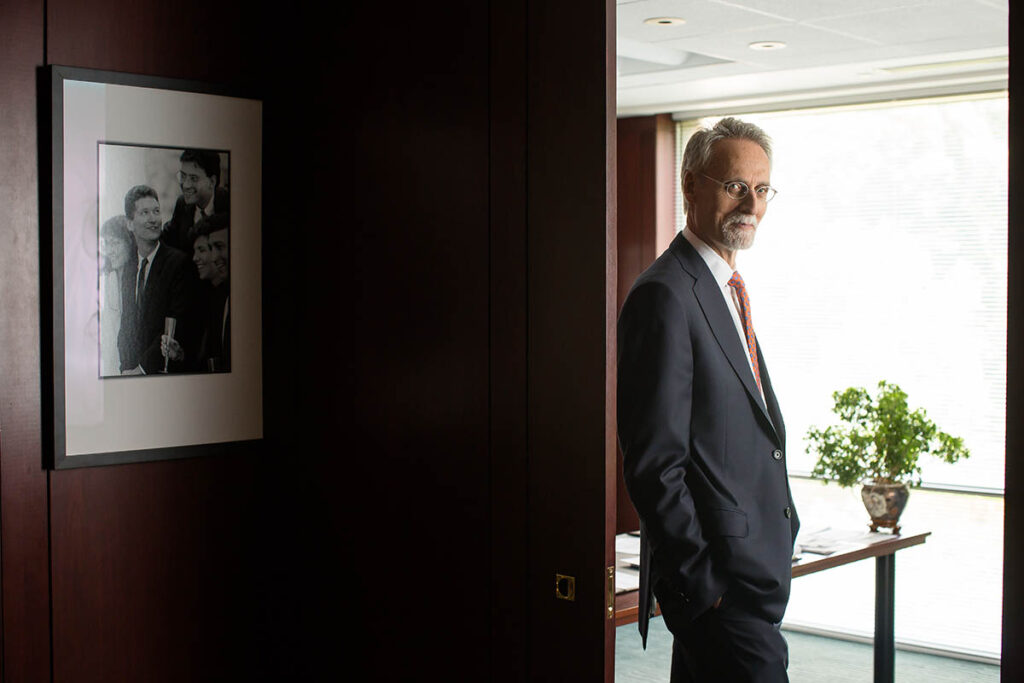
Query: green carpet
{"type": "Point", "coordinates": [812, 659]}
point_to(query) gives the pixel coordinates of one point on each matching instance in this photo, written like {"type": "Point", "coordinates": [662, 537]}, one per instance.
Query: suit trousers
{"type": "Point", "coordinates": [727, 645]}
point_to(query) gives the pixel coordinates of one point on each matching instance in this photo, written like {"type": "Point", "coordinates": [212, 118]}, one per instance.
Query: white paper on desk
{"type": "Point", "coordinates": [632, 561]}
{"type": "Point", "coordinates": [817, 550]}
{"type": "Point", "coordinates": [626, 581]}
{"type": "Point", "coordinates": [626, 543]}
{"type": "Point", "coordinates": [828, 540]}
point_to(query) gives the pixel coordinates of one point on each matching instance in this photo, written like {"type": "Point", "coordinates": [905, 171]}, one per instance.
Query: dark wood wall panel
{"type": "Point", "coordinates": [570, 351]}
{"type": "Point", "coordinates": [156, 570]}
{"type": "Point", "coordinates": [154, 573]}
{"type": "Point", "coordinates": [646, 224]}
{"type": "Point", "coordinates": [393, 476]}
{"type": "Point", "coordinates": [382, 157]}
{"type": "Point", "coordinates": [219, 42]}
{"type": "Point", "coordinates": [23, 530]}
{"type": "Point", "coordinates": [509, 458]}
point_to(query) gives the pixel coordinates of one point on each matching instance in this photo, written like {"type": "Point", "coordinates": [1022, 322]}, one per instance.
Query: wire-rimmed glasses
{"type": "Point", "coordinates": [737, 189]}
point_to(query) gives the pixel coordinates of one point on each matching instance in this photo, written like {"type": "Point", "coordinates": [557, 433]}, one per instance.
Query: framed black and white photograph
{"type": "Point", "coordinates": [156, 257]}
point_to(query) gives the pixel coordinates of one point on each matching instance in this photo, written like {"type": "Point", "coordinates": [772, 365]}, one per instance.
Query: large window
{"type": "Point", "coordinates": [884, 257]}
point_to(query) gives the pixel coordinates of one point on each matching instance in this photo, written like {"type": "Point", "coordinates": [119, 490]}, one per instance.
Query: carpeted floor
{"type": "Point", "coordinates": [812, 659]}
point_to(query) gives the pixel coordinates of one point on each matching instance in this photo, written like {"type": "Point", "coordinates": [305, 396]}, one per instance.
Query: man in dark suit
{"type": "Point", "coordinates": [702, 436]}
{"type": "Point", "coordinates": [158, 283]}
{"type": "Point", "coordinates": [198, 178]}
{"type": "Point", "coordinates": [211, 256]}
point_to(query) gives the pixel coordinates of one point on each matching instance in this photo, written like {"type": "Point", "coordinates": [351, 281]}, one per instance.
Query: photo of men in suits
{"type": "Point", "coordinates": [702, 435]}
{"type": "Point", "coordinates": [172, 311]}
{"type": "Point", "coordinates": [213, 310]}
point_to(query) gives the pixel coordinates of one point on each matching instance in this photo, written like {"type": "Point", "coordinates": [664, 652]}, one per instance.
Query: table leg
{"type": "Point", "coordinates": [885, 607]}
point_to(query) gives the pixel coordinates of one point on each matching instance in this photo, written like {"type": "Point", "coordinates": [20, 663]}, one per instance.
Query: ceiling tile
{"type": "Point", "coordinates": [913, 24]}
{"type": "Point", "coordinates": [702, 18]}
{"type": "Point", "coordinates": [804, 45]}
{"type": "Point", "coordinates": [830, 43]}
{"type": "Point", "coordinates": [804, 10]}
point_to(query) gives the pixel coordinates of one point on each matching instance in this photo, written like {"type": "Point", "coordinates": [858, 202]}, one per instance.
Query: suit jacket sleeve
{"type": "Point", "coordinates": [655, 399]}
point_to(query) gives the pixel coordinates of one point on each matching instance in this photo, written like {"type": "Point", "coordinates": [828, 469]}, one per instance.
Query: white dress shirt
{"type": "Point", "coordinates": [722, 272]}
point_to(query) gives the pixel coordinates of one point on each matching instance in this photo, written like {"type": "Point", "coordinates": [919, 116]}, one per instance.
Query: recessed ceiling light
{"type": "Point", "coordinates": [767, 45]}
{"type": "Point", "coordinates": [665, 21]}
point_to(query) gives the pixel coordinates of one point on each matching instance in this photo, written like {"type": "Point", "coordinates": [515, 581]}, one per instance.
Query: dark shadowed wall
{"type": "Point", "coordinates": [391, 491]}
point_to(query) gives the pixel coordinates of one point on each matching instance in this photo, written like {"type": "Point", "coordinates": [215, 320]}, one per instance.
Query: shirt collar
{"type": "Point", "coordinates": [205, 211]}
{"type": "Point", "coordinates": [149, 256]}
{"type": "Point", "coordinates": [719, 267]}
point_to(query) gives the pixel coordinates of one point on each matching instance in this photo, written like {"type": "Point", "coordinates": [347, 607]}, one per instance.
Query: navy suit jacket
{"type": "Point", "coordinates": [169, 292]}
{"type": "Point", "coordinates": [703, 454]}
{"type": "Point", "coordinates": [175, 231]}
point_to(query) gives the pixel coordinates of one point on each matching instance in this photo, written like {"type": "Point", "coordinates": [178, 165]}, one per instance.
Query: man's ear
{"type": "Point", "coordinates": [688, 185]}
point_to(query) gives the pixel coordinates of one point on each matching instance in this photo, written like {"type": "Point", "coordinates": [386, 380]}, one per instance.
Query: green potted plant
{"type": "Point", "coordinates": [878, 444]}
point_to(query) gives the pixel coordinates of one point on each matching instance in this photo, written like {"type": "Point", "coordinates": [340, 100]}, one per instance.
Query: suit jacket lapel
{"type": "Point", "coordinates": [155, 267]}
{"type": "Point", "coordinates": [722, 326]}
{"type": "Point", "coordinates": [769, 394]}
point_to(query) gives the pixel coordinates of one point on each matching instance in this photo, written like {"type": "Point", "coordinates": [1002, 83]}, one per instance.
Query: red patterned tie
{"type": "Point", "coordinates": [736, 282]}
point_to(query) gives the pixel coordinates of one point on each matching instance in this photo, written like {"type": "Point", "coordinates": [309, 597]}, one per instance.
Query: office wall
{"type": "Point", "coordinates": [148, 571]}
{"type": "Point", "coordinates": [391, 492]}
{"type": "Point", "coordinates": [380, 159]}
{"type": "Point", "coordinates": [368, 502]}
{"type": "Point", "coordinates": [646, 226]}
{"type": "Point", "coordinates": [23, 492]}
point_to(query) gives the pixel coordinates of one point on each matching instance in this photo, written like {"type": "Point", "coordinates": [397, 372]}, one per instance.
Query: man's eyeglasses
{"type": "Point", "coordinates": [737, 189]}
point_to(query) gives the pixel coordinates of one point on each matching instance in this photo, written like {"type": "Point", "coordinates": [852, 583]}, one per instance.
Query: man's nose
{"type": "Point", "coordinates": [749, 203]}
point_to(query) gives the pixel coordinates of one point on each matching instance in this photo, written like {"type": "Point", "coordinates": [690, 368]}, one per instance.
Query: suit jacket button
{"type": "Point", "coordinates": [777, 454]}
{"type": "Point", "coordinates": [788, 512]}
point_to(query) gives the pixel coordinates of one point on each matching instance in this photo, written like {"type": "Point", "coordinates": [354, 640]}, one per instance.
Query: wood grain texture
{"type": "Point", "coordinates": [383, 381]}
{"type": "Point", "coordinates": [152, 561]}
{"type": "Point", "coordinates": [155, 560]}
{"type": "Point", "coordinates": [221, 42]}
{"type": "Point", "coordinates": [23, 483]}
{"type": "Point", "coordinates": [381, 187]}
{"type": "Point", "coordinates": [571, 292]}
{"type": "Point", "coordinates": [645, 226]}
{"type": "Point", "coordinates": [508, 362]}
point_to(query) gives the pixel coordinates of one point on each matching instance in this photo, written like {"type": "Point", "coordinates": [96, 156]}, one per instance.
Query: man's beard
{"type": "Point", "coordinates": [735, 237]}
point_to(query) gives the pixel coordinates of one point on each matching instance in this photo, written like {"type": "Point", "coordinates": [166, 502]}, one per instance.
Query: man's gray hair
{"type": "Point", "coordinates": [698, 149]}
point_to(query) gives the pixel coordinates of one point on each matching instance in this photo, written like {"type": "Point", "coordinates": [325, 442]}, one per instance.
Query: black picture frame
{"type": "Point", "coordinates": [103, 135]}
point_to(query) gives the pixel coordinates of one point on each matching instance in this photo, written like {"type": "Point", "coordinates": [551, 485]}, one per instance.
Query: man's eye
{"type": "Point", "coordinates": [736, 189]}
{"type": "Point", "coordinates": [762, 190]}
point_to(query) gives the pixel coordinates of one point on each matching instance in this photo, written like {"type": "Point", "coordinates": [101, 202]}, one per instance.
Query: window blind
{"type": "Point", "coordinates": [884, 257]}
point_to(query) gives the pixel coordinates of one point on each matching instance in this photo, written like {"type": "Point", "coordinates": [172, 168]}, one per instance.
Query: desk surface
{"type": "Point", "coordinates": [846, 547]}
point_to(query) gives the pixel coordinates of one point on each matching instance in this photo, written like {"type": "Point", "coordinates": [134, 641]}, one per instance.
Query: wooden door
{"type": "Point", "coordinates": [571, 287]}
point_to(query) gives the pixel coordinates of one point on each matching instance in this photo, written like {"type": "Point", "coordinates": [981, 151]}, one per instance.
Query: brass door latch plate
{"type": "Point", "coordinates": [565, 587]}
